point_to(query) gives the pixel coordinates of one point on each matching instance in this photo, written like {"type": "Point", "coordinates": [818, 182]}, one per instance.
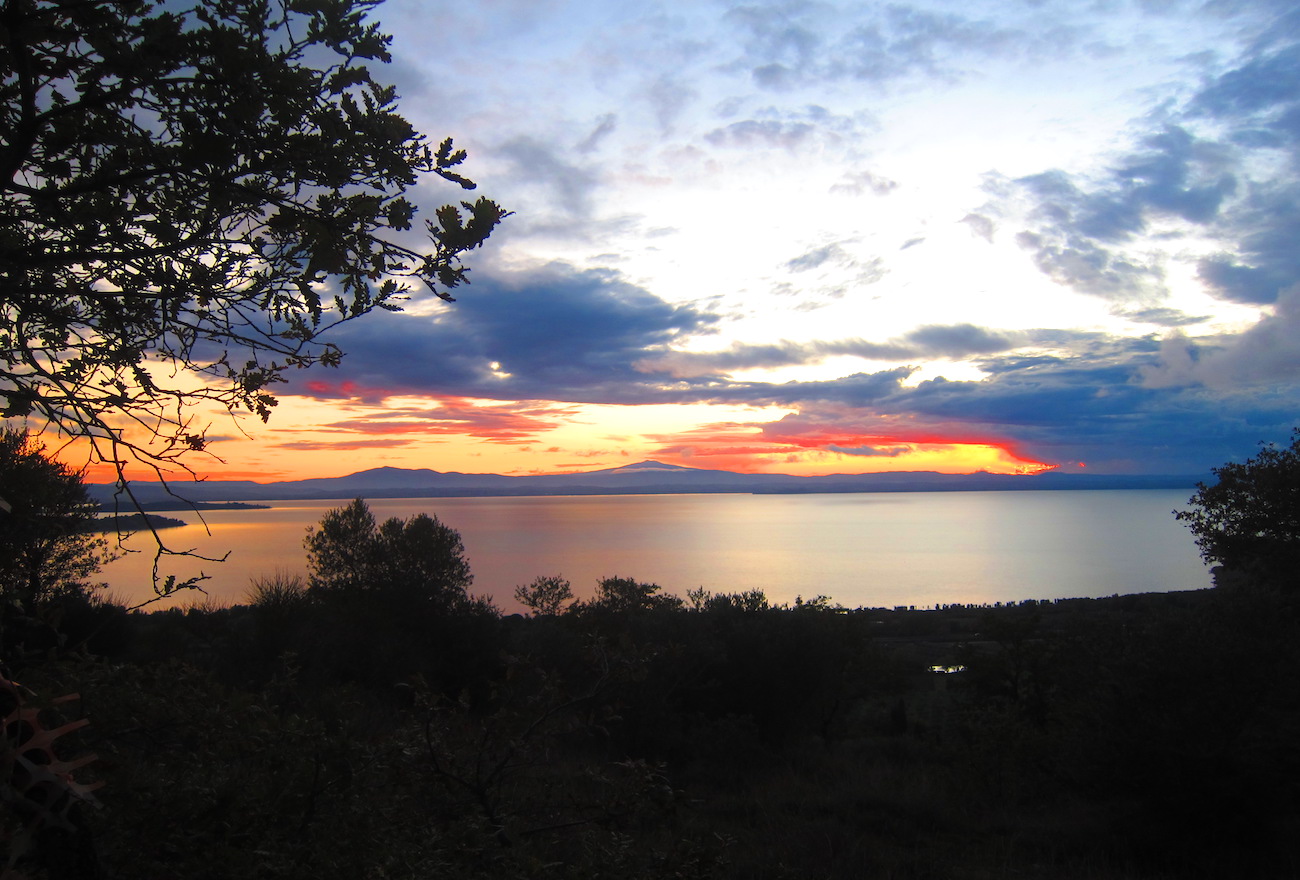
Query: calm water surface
{"type": "Point", "coordinates": [882, 549]}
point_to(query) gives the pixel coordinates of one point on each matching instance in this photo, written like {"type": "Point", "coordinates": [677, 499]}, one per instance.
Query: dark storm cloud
{"type": "Point", "coordinates": [1266, 354]}
{"type": "Point", "coordinates": [1062, 410]}
{"type": "Point", "coordinates": [1063, 392]}
{"type": "Point", "coordinates": [555, 333]}
{"type": "Point", "coordinates": [1097, 404]}
{"type": "Point", "coordinates": [560, 334]}
{"type": "Point", "coordinates": [1224, 164]}
{"type": "Point", "coordinates": [1264, 88]}
{"type": "Point", "coordinates": [1176, 174]}
{"type": "Point", "coordinates": [1100, 413]}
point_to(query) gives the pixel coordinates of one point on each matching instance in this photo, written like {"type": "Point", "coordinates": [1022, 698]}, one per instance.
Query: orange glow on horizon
{"type": "Point", "coordinates": [309, 438]}
{"type": "Point", "coordinates": [948, 458]}
{"type": "Point", "coordinates": [812, 450]}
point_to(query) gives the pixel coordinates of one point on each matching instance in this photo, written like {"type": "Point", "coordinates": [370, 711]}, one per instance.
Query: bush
{"type": "Point", "coordinates": [626, 594]}
{"type": "Point", "coordinates": [1249, 521]}
{"type": "Point", "coordinates": [279, 591]}
{"type": "Point", "coordinates": [47, 550]}
{"type": "Point", "coordinates": [546, 596]}
{"type": "Point", "coordinates": [419, 560]}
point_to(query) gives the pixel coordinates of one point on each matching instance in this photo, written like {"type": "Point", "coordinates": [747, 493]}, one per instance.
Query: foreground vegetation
{"type": "Point", "coordinates": [377, 720]}
{"type": "Point", "coordinates": [1139, 736]}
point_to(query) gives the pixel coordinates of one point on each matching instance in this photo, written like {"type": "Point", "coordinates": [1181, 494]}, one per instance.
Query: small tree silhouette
{"type": "Point", "coordinates": [1249, 521]}
{"type": "Point", "coordinates": [418, 559]}
{"type": "Point", "coordinates": [48, 547]}
{"type": "Point", "coordinates": [545, 596]}
{"type": "Point", "coordinates": [628, 594]}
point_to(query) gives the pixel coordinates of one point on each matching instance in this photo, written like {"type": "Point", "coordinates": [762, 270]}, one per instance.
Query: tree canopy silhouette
{"type": "Point", "coordinates": [47, 548]}
{"type": "Point", "coordinates": [190, 195]}
{"type": "Point", "coordinates": [624, 594]}
{"type": "Point", "coordinates": [1249, 521]}
{"type": "Point", "coordinates": [418, 559]}
{"type": "Point", "coordinates": [546, 596]}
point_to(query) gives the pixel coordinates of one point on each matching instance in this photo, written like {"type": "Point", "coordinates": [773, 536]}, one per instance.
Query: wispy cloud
{"type": "Point", "coordinates": [1222, 162]}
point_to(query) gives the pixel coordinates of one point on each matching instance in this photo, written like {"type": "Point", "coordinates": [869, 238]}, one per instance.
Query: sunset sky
{"type": "Point", "coordinates": [818, 237]}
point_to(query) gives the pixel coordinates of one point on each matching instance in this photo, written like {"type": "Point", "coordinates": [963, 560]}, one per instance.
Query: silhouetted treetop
{"type": "Point", "coordinates": [48, 546]}
{"type": "Point", "coordinates": [200, 188]}
{"type": "Point", "coordinates": [419, 558]}
{"type": "Point", "coordinates": [1249, 521]}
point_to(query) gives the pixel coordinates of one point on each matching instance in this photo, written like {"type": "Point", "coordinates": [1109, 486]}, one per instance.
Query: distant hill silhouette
{"type": "Point", "coordinates": [642, 478]}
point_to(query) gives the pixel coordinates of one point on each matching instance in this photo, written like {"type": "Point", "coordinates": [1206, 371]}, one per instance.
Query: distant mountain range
{"type": "Point", "coordinates": [643, 478]}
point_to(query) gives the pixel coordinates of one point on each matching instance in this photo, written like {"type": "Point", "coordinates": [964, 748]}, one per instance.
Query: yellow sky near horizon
{"type": "Point", "coordinates": [310, 438]}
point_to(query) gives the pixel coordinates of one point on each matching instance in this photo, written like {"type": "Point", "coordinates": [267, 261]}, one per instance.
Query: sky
{"type": "Point", "coordinates": [820, 237]}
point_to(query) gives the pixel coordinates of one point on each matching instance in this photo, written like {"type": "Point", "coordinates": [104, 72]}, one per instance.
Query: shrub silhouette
{"type": "Point", "coordinates": [1249, 521]}
{"type": "Point", "coordinates": [545, 596]}
{"type": "Point", "coordinates": [623, 594]}
{"type": "Point", "coordinates": [418, 560]}
{"type": "Point", "coordinates": [48, 549]}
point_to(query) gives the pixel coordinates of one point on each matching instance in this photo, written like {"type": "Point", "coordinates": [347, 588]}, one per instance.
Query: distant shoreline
{"type": "Point", "coordinates": [177, 504]}
{"type": "Point", "coordinates": [144, 518]}
{"type": "Point", "coordinates": [646, 478]}
{"type": "Point", "coordinates": [133, 522]}
{"type": "Point", "coordinates": [268, 501]}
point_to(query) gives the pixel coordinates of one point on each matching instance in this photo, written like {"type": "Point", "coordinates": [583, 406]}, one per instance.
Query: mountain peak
{"type": "Point", "coordinates": [648, 466]}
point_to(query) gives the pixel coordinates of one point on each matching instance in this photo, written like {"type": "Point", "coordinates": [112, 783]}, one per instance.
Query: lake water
{"type": "Point", "coordinates": [877, 550]}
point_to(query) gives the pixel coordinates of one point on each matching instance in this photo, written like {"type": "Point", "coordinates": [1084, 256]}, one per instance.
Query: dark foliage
{"type": "Point", "coordinates": [205, 186]}
{"type": "Point", "coordinates": [624, 595]}
{"type": "Point", "coordinates": [47, 550]}
{"type": "Point", "coordinates": [416, 562]}
{"type": "Point", "coordinates": [1134, 737]}
{"type": "Point", "coordinates": [50, 553]}
{"type": "Point", "coordinates": [1249, 521]}
{"type": "Point", "coordinates": [546, 596]}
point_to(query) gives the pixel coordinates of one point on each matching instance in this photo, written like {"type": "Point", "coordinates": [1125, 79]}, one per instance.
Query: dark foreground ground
{"type": "Point", "coordinates": [1150, 736]}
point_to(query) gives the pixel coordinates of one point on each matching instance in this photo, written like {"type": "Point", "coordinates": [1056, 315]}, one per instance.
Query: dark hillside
{"type": "Point", "coordinates": [1129, 737]}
